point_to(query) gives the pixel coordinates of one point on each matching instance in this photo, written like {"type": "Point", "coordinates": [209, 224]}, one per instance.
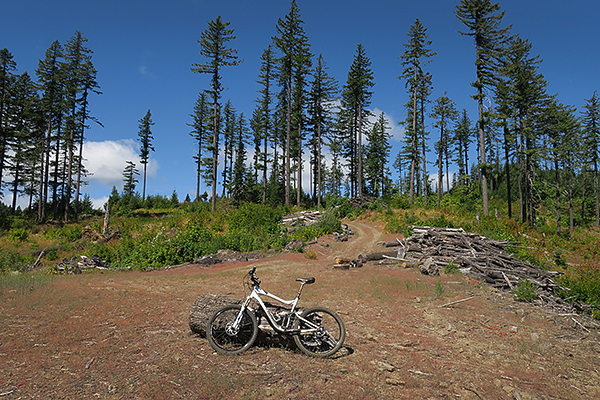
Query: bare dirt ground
{"type": "Point", "coordinates": [126, 336]}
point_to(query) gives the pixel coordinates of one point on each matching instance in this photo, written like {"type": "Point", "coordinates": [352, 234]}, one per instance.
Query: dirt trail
{"type": "Point", "coordinates": [125, 336]}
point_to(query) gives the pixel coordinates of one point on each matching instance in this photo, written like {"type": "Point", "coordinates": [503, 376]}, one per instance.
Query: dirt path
{"type": "Point", "coordinates": [126, 336]}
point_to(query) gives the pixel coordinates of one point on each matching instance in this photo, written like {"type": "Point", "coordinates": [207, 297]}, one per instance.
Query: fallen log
{"type": "Point", "coordinates": [204, 307]}
{"type": "Point", "coordinates": [376, 256]}
{"type": "Point", "coordinates": [207, 304]}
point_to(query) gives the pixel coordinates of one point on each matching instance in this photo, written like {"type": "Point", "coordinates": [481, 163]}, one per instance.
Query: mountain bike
{"type": "Point", "coordinates": [317, 331]}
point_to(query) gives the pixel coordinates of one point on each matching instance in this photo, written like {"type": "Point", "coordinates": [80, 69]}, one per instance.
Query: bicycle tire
{"type": "Point", "coordinates": [225, 342]}
{"type": "Point", "coordinates": [325, 342]}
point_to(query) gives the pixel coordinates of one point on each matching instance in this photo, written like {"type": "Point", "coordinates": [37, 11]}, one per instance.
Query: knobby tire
{"type": "Point", "coordinates": [328, 340]}
{"type": "Point", "coordinates": [226, 342]}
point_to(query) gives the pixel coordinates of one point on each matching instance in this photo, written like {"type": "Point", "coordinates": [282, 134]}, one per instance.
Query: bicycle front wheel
{"type": "Point", "coordinates": [326, 335]}
{"type": "Point", "coordinates": [226, 338]}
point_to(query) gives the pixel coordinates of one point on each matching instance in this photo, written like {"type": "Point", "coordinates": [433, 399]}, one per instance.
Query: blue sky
{"type": "Point", "coordinates": [143, 51]}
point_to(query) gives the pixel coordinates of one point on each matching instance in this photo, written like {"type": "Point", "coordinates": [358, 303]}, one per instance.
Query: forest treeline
{"type": "Point", "coordinates": [532, 150]}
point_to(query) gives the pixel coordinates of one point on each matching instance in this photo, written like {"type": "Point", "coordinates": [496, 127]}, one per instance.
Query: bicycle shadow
{"type": "Point", "coordinates": [268, 339]}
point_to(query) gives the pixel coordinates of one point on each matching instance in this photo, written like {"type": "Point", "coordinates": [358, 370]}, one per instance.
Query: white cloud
{"type": "Point", "coordinates": [106, 161]}
{"type": "Point", "coordinates": [396, 131]}
{"type": "Point", "coordinates": [143, 70]}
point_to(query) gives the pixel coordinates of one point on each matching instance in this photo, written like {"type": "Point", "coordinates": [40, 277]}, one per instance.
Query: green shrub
{"type": "Point", "coordinates": [584, 286]}
{"type": "Point", "coordinates": [525, 291]}
{"type": "Point", "coordinates": [12, 261]}
{"type": "Point", "coordinates": [70, 233]}
{"type": "Point", "coordinates": [18, 234]}
{"type": "Point", "coordinates": [451, 268]}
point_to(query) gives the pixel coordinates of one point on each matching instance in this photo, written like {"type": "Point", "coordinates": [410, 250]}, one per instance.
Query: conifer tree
{"type": "Point", "coordinates": [24, 136]}
{"type": "Point", "coordinates": [263, 119]}
{"type": "Point", "coordinates": [356, 98]}
{"type": "Point", "coordinates": [145, 137]}
{"type": "Point", "coordinates": [591, 134]}
{"type": "Point", "coordinates": [7, 79]}
{"type": "Point", "coordinates": [444, 112]}
{"type": "Point", "coordinates": [527, 100]}
{"type": "Point", "coordinates": [323, 91]}
{"type": "Point", "coordinates": [416, 56]}
{"type": "Point", "coordinates": [229, 125]}
{"type": "Point", "coordinates": [213, 45]}
{"type": "Point", "coordinates": [463, 132]}
{"type": "Point", "coordinates": [377, 151]}
{"type": "Point", "coordinates": [200, 132]}
{"type": "Point", "coordinates": [292, 69]}
{"type": "Point", "coordinates": [129, 178]}
{"type": "Point", "coordinates": [482, 19]}
{"type": "Point", "coordinates": [239, 188]}
{"type": "Point", "coordinates": [80, 79]}
{"type": "Point", "coordinates": [50, 82]}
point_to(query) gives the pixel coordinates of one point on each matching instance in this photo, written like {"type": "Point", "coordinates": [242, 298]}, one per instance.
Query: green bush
{"type": "Point", "coordinates": [525, 291]}
{"type": "Point", "coordinates": [70, 233]}
{"type": "Point", "coordinates": [326, 224]}
{"type": "Point", "coordinates": [583, 287]}
{"type": "Point", "coordinates": [12, 261]}
{"type": "Point", "coordinates": [18, 234]}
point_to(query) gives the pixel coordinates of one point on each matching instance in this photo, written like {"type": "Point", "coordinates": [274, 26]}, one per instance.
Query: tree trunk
{"type": "Point", "coordinates": [360, 120]}
{"type": "Point", "coordinates": [507, 156]}
{"type": "Point", "coordinates": [597, 196]}
{"type": "Point", "coordinates": [215, 155]}
{"type": "Point", "coordinates": [557, 185]}
{"type": "Point", "coordinates": [287, 143]}
{"type": "Point", "coordinates": [299, 185]}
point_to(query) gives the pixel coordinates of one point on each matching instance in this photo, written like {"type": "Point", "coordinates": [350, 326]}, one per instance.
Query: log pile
{"type": "Point", "coordinates": [76, 265]}
{"type": "Point", "coordinates": [301, 218]}
{"type": "Point", "coordinates": [431, 249]}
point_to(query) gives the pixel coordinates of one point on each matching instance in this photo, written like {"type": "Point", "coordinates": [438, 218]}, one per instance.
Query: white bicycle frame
{"type": "Point", "coordinates": [255, 295]}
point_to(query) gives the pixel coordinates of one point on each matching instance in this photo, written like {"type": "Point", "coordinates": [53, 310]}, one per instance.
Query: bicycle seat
{"type": "Point", "coordinates": [306, 281]}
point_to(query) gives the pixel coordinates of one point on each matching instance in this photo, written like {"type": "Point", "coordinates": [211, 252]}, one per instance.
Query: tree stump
{"type": "Point", "coordinates": [206, 305]}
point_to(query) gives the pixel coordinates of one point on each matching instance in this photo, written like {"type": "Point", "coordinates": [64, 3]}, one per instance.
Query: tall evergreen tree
{"type": "Point", "coordinates": [229, 126]}
{"type": "Point", "coordinates": [323, 91]}
{"type": "Point", "coordinates": [264, 122]}
{"type": "Point", "coordinates": [200, 132]}
{"type": "Point", "coordinates": [7, 79]}
{"type": "Point", "coordinates": [50, 81]}
{"type": "Point", "coordinates": [482, 19]}
{"type": "Point", "coordinates": [377, 153]}
{"type": "Point", "coordinates": [444, 112]}
{"type": "Point", "coordinates": [145, 137]}
{"type": "Point", "coordinates": [80, 79]}
{"type": "Point", "coordinates": [129, 178]}
{"type": "Point", "coordinates": [213, 45]}
{"type": "Point", "coordinates": [292, 69]}
{"type": "Point", "coordinates": [239, 188]}
{"type": "Point", "coordinates": [528, 98]}
{"type": "Point", "coordinates": [591, 134]}
{"type": "Point", "coordinates": [463, 132]}
{"type": "Point", "coordinates": [416, 56]}
{"type": "Point", "coordinates": [356, 98]}
{"type": "Point", "coordinates": [25, 136]}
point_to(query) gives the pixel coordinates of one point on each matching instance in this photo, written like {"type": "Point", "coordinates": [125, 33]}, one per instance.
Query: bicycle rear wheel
{"type": "Point", "coordinates": [224, 338]}
{"type": "Point", "coordinates": [328, 337]}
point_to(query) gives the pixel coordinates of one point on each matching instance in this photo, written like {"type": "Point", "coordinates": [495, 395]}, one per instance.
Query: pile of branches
{"type": "Point", "coordinates": [301, 218]}
{"type": "Point", "coordinates": [431, 249]}
{"type": "Point", "coordinates": [76, 265]}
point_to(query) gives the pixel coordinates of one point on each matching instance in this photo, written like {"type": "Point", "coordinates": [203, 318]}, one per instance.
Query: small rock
{"type": "Point", "coordinates": [395, 382]}
{"type": "Point", "coordinates": [383, 366]}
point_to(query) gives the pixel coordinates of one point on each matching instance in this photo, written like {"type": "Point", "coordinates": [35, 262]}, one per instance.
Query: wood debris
{"type": "Point", "coordinates": [432, 249]}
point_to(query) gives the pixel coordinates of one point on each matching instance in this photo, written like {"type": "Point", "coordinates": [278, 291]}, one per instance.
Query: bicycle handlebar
{"type": "Point", "coordinates": [253, 277]}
